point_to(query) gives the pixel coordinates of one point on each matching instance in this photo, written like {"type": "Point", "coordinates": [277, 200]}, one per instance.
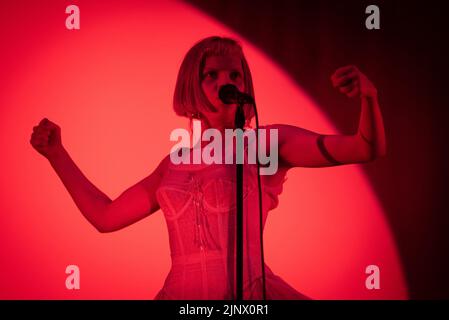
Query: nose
{"type": "Point", "coordinates": [223, 79]}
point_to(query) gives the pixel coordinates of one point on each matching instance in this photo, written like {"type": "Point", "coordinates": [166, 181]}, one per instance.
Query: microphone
{"type": "Point", "coordinates": [229, 94]}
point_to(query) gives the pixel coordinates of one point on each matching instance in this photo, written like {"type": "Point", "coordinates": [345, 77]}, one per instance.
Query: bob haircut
{"type": "Point", "coordinates": [189, 100]}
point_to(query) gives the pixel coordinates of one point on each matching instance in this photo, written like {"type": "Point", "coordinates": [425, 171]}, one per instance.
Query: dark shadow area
{"type": "Point", "coordinates": [407, 61]}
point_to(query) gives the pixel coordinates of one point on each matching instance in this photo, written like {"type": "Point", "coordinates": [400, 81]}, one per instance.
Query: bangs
{"type": "Point", "coordinates": [222, 48]}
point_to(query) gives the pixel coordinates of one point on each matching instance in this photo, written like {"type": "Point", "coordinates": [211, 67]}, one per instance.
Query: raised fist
{"type": "Point", "coordinates": [353, 83]}
{"type": "Point", "coordinates": [46, 138]}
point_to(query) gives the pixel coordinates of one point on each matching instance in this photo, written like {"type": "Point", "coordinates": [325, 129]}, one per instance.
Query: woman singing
{"type": "Point", "coordinates": [198, 199]}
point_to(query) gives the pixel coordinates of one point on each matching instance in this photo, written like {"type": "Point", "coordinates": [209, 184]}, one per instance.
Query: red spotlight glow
{"type": "Point", "coordinates": [109, 86]}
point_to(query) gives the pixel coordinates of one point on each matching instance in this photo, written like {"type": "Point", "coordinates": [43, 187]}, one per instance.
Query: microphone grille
{"type": "Point", "coordinates": [228, 93]}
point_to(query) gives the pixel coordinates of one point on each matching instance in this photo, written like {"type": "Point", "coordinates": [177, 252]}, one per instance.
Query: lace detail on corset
{"type": "Point", "coordinates": [199, 205]}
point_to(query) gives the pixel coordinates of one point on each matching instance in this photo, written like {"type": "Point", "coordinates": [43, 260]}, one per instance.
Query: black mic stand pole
{"type": "Point", "coordinates": [239, 123]}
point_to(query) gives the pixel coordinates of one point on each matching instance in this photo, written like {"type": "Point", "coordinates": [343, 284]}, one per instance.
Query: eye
{"type": "Point", "coordinates": [210, 75]}
{"type": "Point", "coordinates": [235, 75]}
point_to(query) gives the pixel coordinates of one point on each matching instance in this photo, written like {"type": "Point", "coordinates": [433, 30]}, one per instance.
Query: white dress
{"type": "Point", "coordinates": [198, 202]}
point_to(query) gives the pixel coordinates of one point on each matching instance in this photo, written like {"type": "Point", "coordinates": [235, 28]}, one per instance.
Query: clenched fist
{"type": "Point", "coordinates": [46, 138]}
{"type": "Point", "coordinates": [353, 83]}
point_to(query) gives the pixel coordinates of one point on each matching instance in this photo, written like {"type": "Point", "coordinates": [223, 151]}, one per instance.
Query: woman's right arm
{"type": "Point", "coordinates": [104, 214]}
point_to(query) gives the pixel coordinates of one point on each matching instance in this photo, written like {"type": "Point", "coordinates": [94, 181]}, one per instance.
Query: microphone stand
{"type": "Point", "coordinates": [239, 123]}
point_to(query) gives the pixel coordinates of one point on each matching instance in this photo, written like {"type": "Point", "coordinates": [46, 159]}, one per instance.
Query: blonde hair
{"type": "Point", "coordinates": [189, 100]}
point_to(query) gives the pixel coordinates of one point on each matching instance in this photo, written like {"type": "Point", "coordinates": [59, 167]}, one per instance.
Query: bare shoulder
{"type": "Point", "coordinates": [273, 137]}
{"type": "Point", "coordinates": [152, 180]}
{"type": "Point", "coordinates": [295, 145]}
{"type": "Point", "coordinates": [286, 129]}
{"type": "Point", "coordinates": [277, 131]}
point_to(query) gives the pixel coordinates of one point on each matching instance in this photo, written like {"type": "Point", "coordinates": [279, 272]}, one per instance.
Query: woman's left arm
{"type": "Point", "coordinates": [303, 148]}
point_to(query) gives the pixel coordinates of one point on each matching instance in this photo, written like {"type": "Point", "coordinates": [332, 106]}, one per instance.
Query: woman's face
{"type": "Point", "coordinates": [218, 71]}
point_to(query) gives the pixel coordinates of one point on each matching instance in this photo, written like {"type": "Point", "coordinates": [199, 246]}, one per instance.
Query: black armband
{"type": "Point", "coordinates": [324, 152]}
{"type": "Point", "coordinates": [366, 139]}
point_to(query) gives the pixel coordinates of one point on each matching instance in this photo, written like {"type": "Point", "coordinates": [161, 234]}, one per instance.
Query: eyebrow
{"type": "Point", "coordinates": [215, 69]}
